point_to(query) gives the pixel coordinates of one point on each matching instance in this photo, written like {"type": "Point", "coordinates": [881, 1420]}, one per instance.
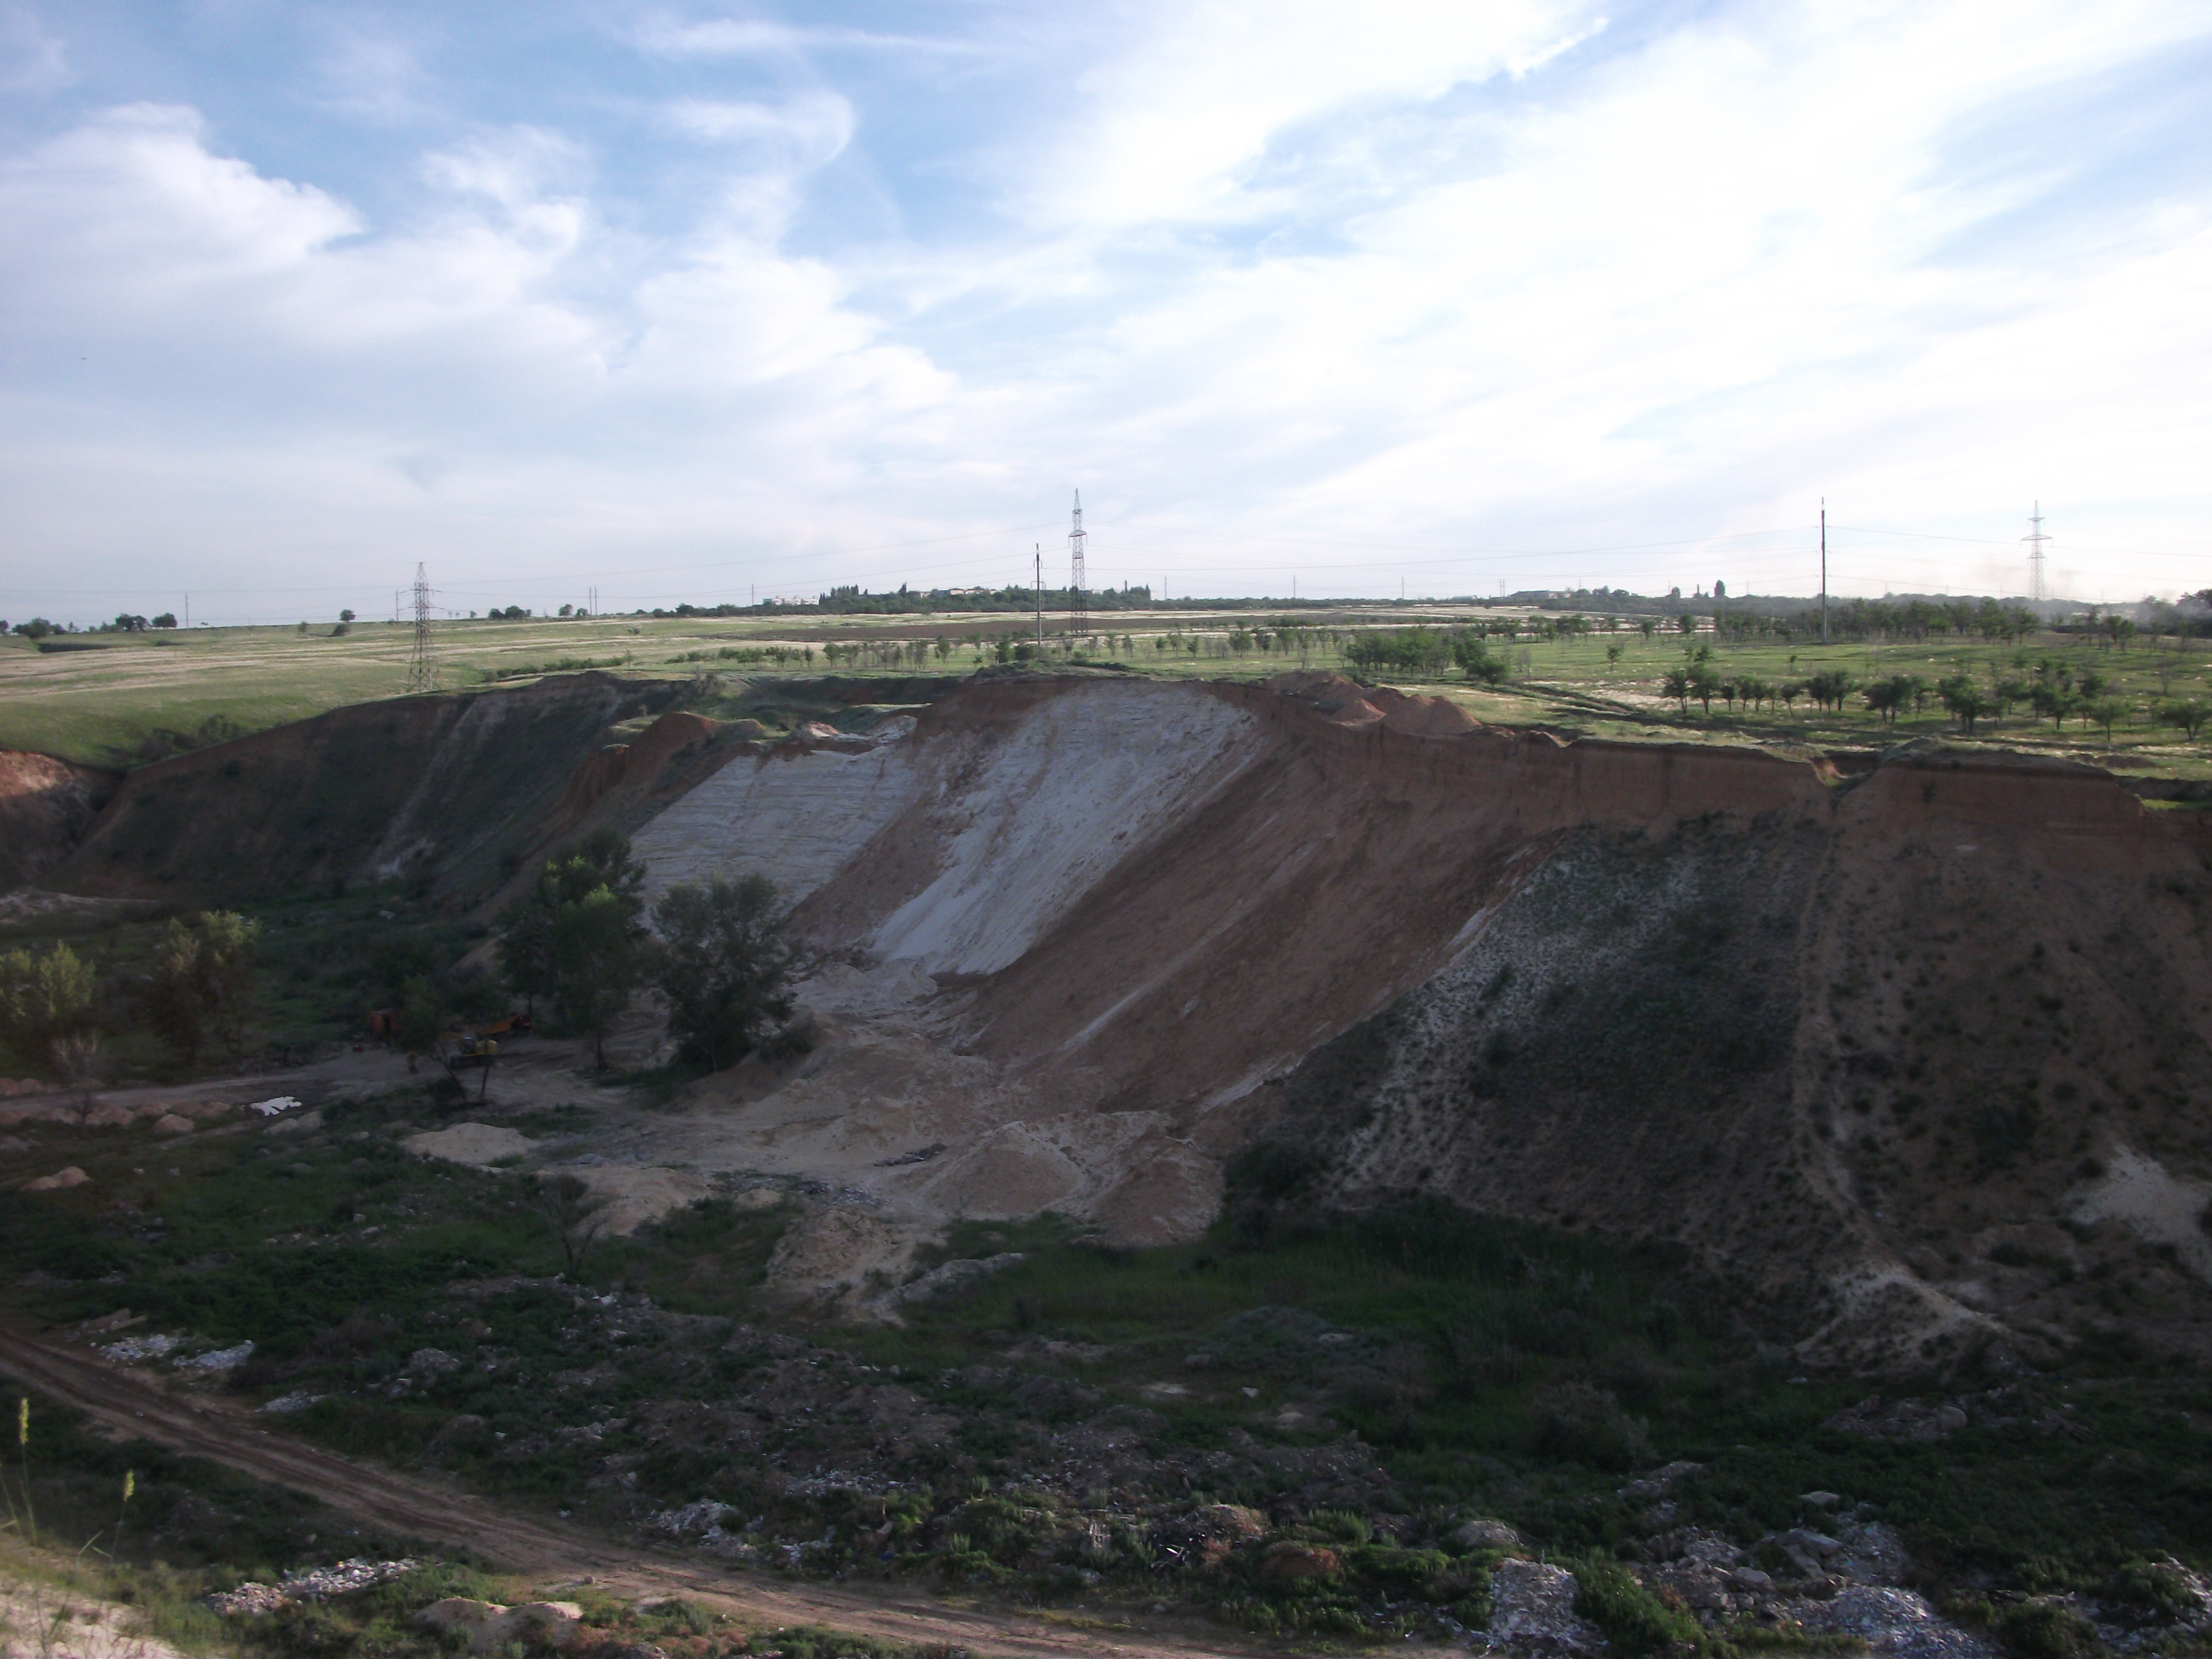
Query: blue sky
{"type": "Point", "coordinates": [696, 301]}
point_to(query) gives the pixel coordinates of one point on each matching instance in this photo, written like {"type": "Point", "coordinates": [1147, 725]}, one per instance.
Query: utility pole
{"type": "Point", "coordinates": [2037, 589]}
{"type": "Point", "coordinates": [1823, 570]}
{"type": "Point", "coordinates": [1076, 605]}
{"type": "Point", "coordinates": [421, 672]}
{"type": "Point", "coordinates": [1039, 549]}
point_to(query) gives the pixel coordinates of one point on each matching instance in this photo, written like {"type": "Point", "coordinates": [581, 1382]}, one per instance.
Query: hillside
{"type": "Point", "coordinates": [1909, 1055]}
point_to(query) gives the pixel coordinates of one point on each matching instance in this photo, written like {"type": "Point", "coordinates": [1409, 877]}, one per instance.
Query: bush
{"type": "Point", "coordinates": [2044, 1629]}
{"type": "Point", "coordinates": [1634, 1620]}
{"type": "Point", "coordinates": [1585, 1424]}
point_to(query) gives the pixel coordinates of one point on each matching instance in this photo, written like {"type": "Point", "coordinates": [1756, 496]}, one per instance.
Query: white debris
{"type": "Point", "coordinates": [312, 1585]}
{"type": "Point", "coordinates": [222, 1360]}
{"type": "Point", "coordinates": [1533, 1610]}
{"type": "Point", "coordinates": [285, 1404]}
{"type": "Point", "coordinates": [133, 1350]}
{"type": "Point", "coordinates": [274, 1104]}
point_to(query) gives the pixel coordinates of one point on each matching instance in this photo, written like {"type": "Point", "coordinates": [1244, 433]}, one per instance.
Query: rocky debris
{"type": "Point", "coordinates": [1483, 1532]}
{"type": "Point", "coordinates": [136, 1350]}
{"type": "Point", "coordinates": [1647, 1488]}
{"type": "Point", "coordinates": [919, 1155]}
{"type": "Point", "coordinates": [1533, 1610]}
{"type": "Point", "coordinates": [317, 1585]}
{"type": "Point", "coordinates": [170, 1124]}
{"type": "Point", "coordinates": [218, 1359]}
{"type": "Point", "coordinates": [432, 1362]}
{"type": "Point", "coordinates": [70, 1177]}
{"type": "Point", "coordinates": [1893, 1621]}
{"type": "Point", "coordinates": [955, 1276]}
{"type": "Point", "coordinates": [487, 1625]}
{"type": "Point", "coordinates": [1920, 1420]}
{"type": "Point", "coordinates": [285, 1405]}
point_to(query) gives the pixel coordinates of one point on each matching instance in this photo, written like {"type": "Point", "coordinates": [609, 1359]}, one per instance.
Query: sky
{"type": "Point", "coordinates": [708, 302]}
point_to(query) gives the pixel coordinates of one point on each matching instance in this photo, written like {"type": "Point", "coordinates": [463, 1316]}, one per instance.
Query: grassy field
{"type": "Point", "coordinates": [116, 700]}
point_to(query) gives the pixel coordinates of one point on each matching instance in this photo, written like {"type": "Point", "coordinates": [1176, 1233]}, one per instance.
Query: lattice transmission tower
{"type": "Point", "coordinates": [422, 667]}
{"type": "Point", "coordinates": [1078, 606]}
{"type": "Point", "coordinates": [2039, 589]}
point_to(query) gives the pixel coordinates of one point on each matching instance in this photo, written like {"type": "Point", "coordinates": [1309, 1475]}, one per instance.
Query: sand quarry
{"type": "Point", "coordinates": [1073, 942]}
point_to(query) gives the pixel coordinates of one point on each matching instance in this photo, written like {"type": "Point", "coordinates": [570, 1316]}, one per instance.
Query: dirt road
{"type": "Point", "coordinates": [419, 1507]}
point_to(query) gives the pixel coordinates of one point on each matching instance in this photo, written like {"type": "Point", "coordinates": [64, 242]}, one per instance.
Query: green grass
{"type": "Point", "coordinates": [128, 696]}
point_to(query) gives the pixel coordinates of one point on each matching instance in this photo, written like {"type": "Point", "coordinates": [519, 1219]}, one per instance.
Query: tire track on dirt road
{"type": "Point", "coordinates": [415, 1506]}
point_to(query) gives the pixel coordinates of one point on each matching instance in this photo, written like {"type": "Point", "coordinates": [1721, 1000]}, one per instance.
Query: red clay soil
{"type": "Point", "coordinates": [47, 807]}
{"type": "Point", "coordinates": [1353, 857]}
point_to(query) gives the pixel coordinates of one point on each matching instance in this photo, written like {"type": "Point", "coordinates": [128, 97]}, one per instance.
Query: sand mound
{"type": "Point", "coordinates": [634, 1196]}
{"type": "Point", "coordinates": [477, 1144]}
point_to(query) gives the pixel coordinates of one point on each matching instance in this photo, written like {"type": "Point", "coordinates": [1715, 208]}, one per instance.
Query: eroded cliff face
{"type": "Point", "coordinates": [1913, 1060]}
{"type": "Point", "coordinates": [430, 790]}
{"type": "Point", "coordinates": [47, 808]}
{"type": "Point", "coordinates": [1797, 1025]}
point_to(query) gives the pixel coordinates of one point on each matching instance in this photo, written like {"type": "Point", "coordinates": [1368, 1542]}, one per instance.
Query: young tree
{"type": "Point", "coordinates": [576, 936]}
{"type": "Point", "coordinates": [2107, 712]}
{"type": "Point", "coordinates": [46, 1003]}
{"type": "Point", "coordinates": [722, 964]}
{"type": "Point", "coordinates": [204, 982]}
{"type": "Point", "coordinates": [574, 1212]}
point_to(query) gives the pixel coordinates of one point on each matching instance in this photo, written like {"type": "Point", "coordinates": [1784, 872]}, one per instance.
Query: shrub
{"type": "Point", "coordinates": [2044, 1629]}
{"type": "Point", "coordinates": [1585, 1424]}
{"type": "Point", "coordinates": [1634, 1620]}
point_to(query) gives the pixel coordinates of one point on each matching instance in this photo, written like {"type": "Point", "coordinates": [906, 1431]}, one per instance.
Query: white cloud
{"type": "Point", "coordinates": [1277, 288]}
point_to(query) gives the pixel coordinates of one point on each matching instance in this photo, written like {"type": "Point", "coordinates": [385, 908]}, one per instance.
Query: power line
{"type": "Point", "coordinates": [2035, 538]}
{"type": "Point", "coordinates": [421, 670]}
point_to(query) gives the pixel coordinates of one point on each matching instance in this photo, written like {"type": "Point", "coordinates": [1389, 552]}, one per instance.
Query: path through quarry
{"type": "Point", "coordinates": [412, 1506]}
{"type": "Point", "coordinates": [1914, 1058]}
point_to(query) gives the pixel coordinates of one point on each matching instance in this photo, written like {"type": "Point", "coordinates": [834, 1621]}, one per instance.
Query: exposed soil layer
{"type": "Point", "coordinates": [47, 807]}
{"type": "Point", "coordinates": [431, 790]}
{"type": "Point", "coordinates": [1793, 1018]}
{"type": "Point", "coordinates": [1914, 1050]}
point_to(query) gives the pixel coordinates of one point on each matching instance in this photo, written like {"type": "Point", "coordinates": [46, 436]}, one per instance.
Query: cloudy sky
{"type": "Point", "coordinates": [697, 301]}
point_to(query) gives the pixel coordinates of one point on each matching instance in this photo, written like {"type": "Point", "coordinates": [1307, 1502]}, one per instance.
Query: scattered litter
{"type": "Point", "coordinates": [274, 1104]}
{"type": "Point", "coordinates": [222, 1360]}
{"type": "Point", "coordinates": [313, 1585]}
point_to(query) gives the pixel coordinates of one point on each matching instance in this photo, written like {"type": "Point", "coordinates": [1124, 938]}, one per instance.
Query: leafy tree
{"type": "Point", "coordinates": [204, 982]}
{"type": "Point", "coordinates": [46, 1003]}
{"type": "Point", "coordinates": [2185, 712]}
{"type": "Point", "coordinates": [1676, 684]}
{"type": "Point", "coordinates": [722, 964]}
{"type": "Point", "coordinates": [1703, 683]}
{"type": "Point", "coordinates": [2106, 711]}
{"type": "Point", "coordinates": [1472, 654]}
{"type": "Point", "coordinates": [166, 619]}
{"type": "Point", "coordinates": [576, 937]}
{"type": "Point", "coordinates": [1964, 700]}
{"type": "Point", "coordinates": [2052, 701]}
